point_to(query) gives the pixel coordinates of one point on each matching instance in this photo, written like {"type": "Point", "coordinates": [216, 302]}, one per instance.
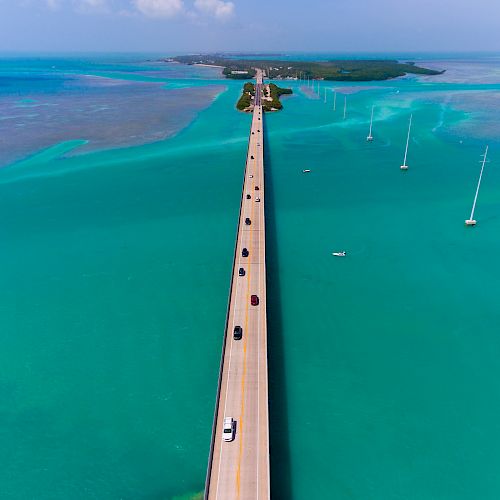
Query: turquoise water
{"type": "Point", "coordinates": [386, 361]}
{"type": "Point", "coordinates": [113, 297]}
{"type": "Point", "coordinates": [383, 365]}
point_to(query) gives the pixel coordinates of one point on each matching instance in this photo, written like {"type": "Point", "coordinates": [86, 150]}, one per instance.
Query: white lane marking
{"type": "Point", "coordinates": [225, 400]}
{"type": "Point", "coordinates": [228, 332]}
{"type": "Point", "coordinates": [258, 327]}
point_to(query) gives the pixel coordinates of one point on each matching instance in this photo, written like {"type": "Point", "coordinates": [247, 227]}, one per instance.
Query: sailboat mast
{"type": "Point", "coordinates": [370, 137]}
{"type": "Point", "coordinates": [407, 142]}
{"type": "Point", "coordinates": [478, 185]}
{"type": "Point", "coordinates": [345, 106]}
{"type": "Point", "coordinates": [334, 100]}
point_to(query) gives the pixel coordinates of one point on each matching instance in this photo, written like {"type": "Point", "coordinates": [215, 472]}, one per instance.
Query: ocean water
{"type": "Point", "coordinates": [385, 361]}
{"type": "Point", "coordinates": [116, 265]}
{"type": "Point", "coordinates": [102, 103]}
{"type": "Point", "coordinates": [113, 296]}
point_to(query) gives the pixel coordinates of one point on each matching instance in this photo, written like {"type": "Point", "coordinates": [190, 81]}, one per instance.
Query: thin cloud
{"type": "Point", "coordinates": [53, 4]}
{"type": "Point", "coordinates": [159, 8]}
{"type": "Point", "coordinates": [94, 3]}
{"type": "Point", "coordinates": [92, 6]}
{"type": "Point", "coordinates": [217, 8]}
{"type": "Point", "coordinates": [199, 11]}
{"type": "Point", "coordinates": [78, 5]}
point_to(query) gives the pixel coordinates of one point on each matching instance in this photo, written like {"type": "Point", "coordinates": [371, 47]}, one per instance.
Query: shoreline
{"type": "Point", "coordinates": [348, 70]}
{"type": "Point", "coordinates": [209, 65]}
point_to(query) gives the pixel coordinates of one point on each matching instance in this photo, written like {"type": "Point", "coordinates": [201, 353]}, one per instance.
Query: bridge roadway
{"type": "Point", "coordinates": [239, 470]}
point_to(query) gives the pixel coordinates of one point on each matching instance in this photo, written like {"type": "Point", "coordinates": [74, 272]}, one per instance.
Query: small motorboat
{"type": "Point", "coordinates": [306, 171]}
{"type": "Point", "coordinates": [339, 254]}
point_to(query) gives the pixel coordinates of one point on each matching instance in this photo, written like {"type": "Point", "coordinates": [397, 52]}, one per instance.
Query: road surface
{"type": "Point", "coordinates": [239, 470]}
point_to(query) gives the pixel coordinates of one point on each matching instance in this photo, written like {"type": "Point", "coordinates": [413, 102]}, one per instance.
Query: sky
{"type": "Point", "coordinates": [178, 26]}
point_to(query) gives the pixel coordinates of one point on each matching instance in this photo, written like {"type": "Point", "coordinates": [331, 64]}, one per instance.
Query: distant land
{"type": "Point", "coordinates": [253, 54]}
{"type": "Point", "coordinates": [339, 70]}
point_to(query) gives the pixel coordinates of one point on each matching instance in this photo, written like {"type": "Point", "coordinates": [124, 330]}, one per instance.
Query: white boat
{"type": "Point", "coordinates": [305, 171]}
{"type": "Point", "coordinates": [471, 221]}
{"type": "Point", "coordinates": [339, 254]}
{"type": "Point", "coordinates": [370, 136]}
{"type": "Point", "coordinates": [404, 166]}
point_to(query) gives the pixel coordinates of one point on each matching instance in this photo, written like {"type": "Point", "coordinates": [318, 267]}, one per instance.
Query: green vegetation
{"type": "Point", "coordinates": [340, 70]}
{"type": "Point", "coordinates": [245, 100]}
{"type": "Point", "coordinates": [275, 93]}
{"type": "Point", "coordinates": [238, 73]}
{"type": "Point", "coordinates": [249, 87]}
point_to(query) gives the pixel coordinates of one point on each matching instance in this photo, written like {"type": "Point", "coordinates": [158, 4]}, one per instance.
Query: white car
{"type": "Point", "coordinates": [228, 430]}
{"type": "Point", "coordinates": [251, 176]}
{"type": "Point", "coordinates": [257, 199]}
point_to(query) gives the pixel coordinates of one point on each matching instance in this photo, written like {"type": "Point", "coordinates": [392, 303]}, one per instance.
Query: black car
{"type": "Point", "coordinates": [248, 196]}
{"type": "Point", "coordinates": [248, 221]}
{"type": "Point", "coordinates": [251, 157]}
{"type": "Point", "coordinates": [256, 188]}
{"type": "Point", "coordinates": [241, 272]}
{"type": "Point", "coordinates": [244, 252]}
{"type": "Point", "coordinates": [237, 333]}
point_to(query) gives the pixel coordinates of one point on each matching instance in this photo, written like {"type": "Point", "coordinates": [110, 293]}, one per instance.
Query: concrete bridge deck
{"type": "Point", "coordinates": [239, 470]}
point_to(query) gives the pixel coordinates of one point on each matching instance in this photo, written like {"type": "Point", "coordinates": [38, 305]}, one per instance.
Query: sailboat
{"type": "Point", "coordinates": [334, 100]}
{"type": "Point", "coordinates": [470, 221]}
{"type": "Point", "coordinates": [325, 96]}
{"type": "Point", "coordinates": [345, 106]}
{"type": "Point", "coordinates": [370, 136]}
{"type": "Point", "coordinates": [404, 166]}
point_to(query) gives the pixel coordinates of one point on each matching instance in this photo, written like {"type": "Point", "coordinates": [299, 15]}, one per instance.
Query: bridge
{"type": "Point", "coordinates": [239, 469]}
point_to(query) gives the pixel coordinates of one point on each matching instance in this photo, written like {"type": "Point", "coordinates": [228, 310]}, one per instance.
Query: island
{"type": "Point", "coordinates": [356, 70]}
{"type": "Point", "coordinates": [271, 94]}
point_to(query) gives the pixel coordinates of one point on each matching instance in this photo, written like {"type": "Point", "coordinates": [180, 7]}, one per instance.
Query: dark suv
{"type": "Point", "coordinates": [244, 252]}
{"type": "Point", "coordinates": [237, 333]}
{"type": "Point", "coordinates": [248, 221]}
{"type": "Point", "coordinates": [254, 300]}
{"type": "Point", "coordinates": [241, 272]}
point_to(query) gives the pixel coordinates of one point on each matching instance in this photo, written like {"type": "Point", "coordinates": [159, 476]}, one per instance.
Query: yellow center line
{"type": "Point", "coordinates": [242, 411]}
